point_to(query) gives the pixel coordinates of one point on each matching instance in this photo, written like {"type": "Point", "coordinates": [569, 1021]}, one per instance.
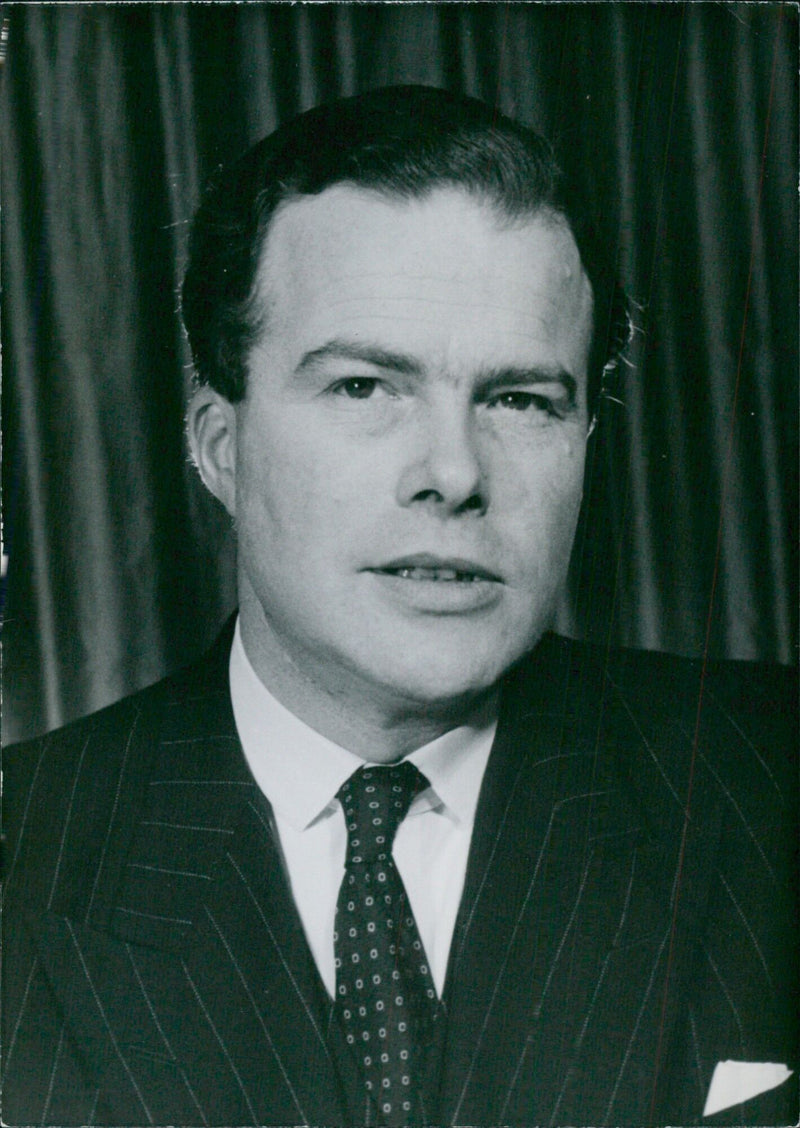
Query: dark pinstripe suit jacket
{"type": "Point", "coordinates": [608, 952]}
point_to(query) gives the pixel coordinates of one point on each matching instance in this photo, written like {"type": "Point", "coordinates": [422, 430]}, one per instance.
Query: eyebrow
{"type": "Point", "coordinates": [407, 365]}
{"type": "Point", "coordinates": [339, 349]}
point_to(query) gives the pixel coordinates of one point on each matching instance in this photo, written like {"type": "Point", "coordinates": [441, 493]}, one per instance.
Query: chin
{"type": "Point", "coordinates": [446, 679]}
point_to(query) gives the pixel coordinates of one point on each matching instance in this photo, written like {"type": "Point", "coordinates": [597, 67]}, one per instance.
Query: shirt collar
{"type": "Point", "coordinates": [300, 771]}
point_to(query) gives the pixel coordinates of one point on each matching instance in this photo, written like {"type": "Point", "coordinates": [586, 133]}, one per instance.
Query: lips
{"type": "Point", "coordinates": [424, 567]}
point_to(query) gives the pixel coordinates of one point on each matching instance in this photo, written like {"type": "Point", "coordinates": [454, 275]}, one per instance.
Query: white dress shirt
{"type": "Point", "coordinates": [300, 772]}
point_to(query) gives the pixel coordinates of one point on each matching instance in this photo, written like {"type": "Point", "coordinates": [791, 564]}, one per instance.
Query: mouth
{"type": "Point", "coordinates": [423, 567]}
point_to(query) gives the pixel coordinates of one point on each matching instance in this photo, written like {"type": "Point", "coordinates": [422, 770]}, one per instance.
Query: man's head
{"type": "Point", "coordinates": [401, 142]}
{"type": "Point", "coordinates": [395, 406]}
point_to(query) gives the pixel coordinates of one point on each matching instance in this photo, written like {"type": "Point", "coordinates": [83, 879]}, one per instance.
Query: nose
{"type": "Point", "coordinates": [444, 469]}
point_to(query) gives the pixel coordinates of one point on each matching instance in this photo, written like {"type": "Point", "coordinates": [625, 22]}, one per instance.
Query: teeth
{"type": "Point", "coordinates": [434, 574]}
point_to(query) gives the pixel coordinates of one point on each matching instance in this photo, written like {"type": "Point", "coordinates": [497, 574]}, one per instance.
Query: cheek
{"type": "Point", "coordinates": [566, 492]}
{"type": "Point", "coordinates": [568, 486]}
{"type": "Point", "coordinates": [550, 466]}
{"type": "Point", "coordinates": [269, 481]}
{"type": "Point", "coordinates": [544, 501]}
{"type": "Point", "coordinates": [294, 485]}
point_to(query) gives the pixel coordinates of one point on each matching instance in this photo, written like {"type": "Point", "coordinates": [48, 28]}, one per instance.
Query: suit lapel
{"type": "Point", "coordinates": [192, 919]}
{"type": "Point", "coordinates": [566, 938]}
{"type": "Point", "coordinates": [253, 945]}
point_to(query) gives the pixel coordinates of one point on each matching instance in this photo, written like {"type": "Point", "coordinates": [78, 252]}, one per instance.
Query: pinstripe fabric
{"type": "Point", "coordinates": [608, 950]}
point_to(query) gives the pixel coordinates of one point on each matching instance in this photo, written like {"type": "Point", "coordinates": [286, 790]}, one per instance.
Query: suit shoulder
{"type": "Point", "coordinates": [673, 723]}
{"type": "Point", "coordinates": [60, 748]}
{"type": "Point", "coordinates": [763, 696]}
{"type": "Point", "coordinates": [66, 777]}
{"type": "Point", "coordinates": [69, 784]}
{"type": "Point", "coordinates": [739, 718]}
{"type": "Point", "coordinates": [756, 687]}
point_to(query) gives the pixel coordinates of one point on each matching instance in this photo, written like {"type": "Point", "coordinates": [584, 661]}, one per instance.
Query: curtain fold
{"type": "Point", "coordinates": [680, 122]}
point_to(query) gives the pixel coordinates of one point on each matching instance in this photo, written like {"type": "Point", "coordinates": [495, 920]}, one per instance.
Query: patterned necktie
{"type": "Point", "coordinates": [385, 997]}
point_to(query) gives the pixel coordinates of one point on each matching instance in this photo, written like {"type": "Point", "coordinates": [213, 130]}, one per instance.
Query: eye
{"type": "Point", "coordinates": [524, 401]}
{"type": "Point", "coordinates": [356, 387]}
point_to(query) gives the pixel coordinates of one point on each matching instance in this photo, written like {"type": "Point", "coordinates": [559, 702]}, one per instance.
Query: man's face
{"type": "Point", "coordinates": [410, 451]}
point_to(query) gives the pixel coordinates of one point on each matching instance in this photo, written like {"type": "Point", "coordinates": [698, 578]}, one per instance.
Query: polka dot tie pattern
{"type": "Point", "coordinates": [385, 997]}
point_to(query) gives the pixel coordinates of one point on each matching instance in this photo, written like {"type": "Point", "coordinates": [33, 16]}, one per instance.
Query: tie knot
{"type": "Point", "coordinates": [375, 801]}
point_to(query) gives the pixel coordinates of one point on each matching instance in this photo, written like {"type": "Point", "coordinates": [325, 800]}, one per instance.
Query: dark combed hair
{"type": "Point", "coordinates": [401, 142]}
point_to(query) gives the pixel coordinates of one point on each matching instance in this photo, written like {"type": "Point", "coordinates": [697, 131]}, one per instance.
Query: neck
{"type": "Point", "coordinates": [377, 727]}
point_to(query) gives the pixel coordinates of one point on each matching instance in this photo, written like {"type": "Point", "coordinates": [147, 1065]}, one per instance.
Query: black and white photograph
{"type": "Point", "coordinates": [399, 564]}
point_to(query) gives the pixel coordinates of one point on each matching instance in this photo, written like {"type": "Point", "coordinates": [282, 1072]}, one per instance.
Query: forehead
{"type": "Point", "coordinates": [445, 270]}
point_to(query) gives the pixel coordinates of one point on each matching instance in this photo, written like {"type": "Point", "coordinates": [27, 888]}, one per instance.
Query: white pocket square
{"type": "Point", "coordinates": [736, 1081]}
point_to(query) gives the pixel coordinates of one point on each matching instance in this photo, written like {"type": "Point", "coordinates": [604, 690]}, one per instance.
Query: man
{"type": "Point", "coordinates": [393, 854]}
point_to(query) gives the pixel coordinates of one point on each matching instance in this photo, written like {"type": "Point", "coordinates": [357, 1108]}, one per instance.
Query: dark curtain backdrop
{"type": "Point", "coordinates": [680, 121]}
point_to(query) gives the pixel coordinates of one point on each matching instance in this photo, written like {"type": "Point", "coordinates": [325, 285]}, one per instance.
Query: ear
{"type": "Point", "coordinates": [211, 432]}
